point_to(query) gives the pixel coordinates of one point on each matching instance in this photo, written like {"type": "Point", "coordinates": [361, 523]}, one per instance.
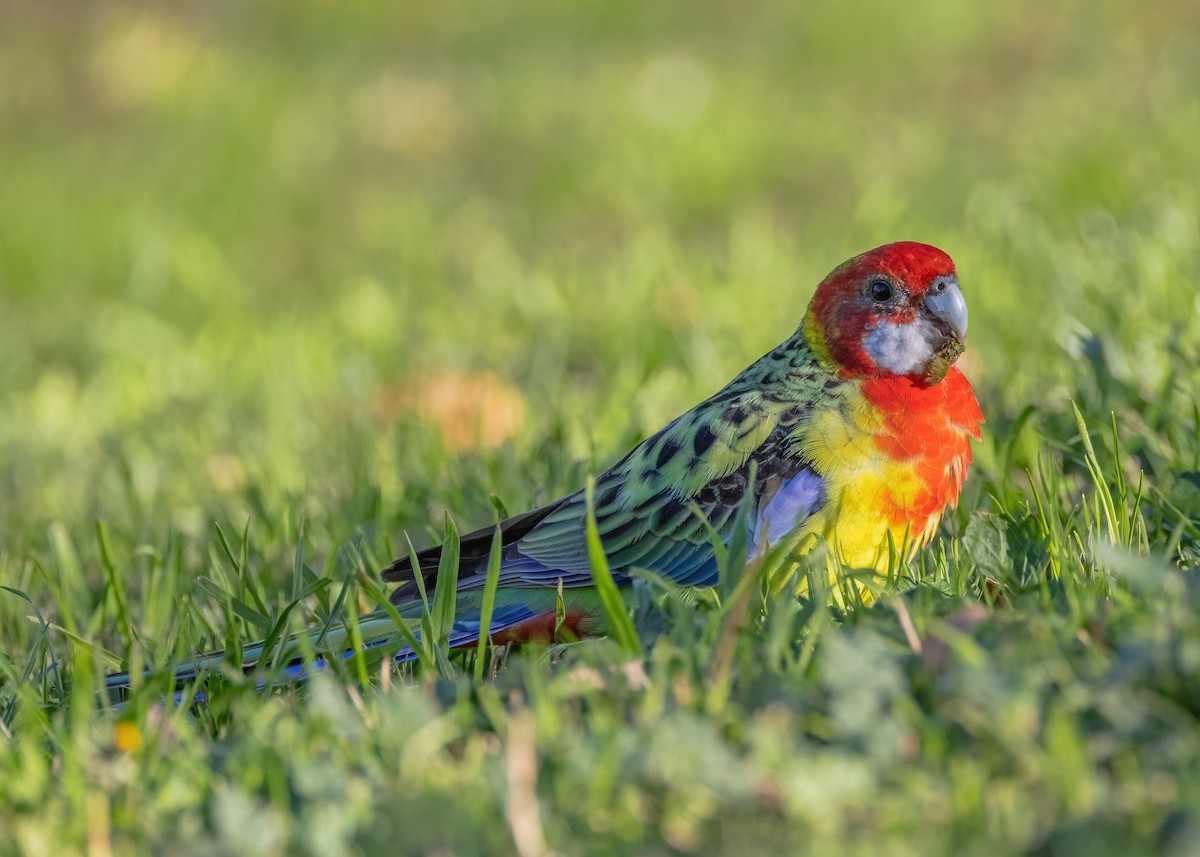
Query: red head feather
{"type": "Point", "coordinates": [843, 312]}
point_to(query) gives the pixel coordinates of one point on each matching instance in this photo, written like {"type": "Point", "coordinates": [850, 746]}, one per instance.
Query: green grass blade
{"type": "Point", "coordinates": [368, 583]}
{"type": "Point", "coordinates": [619, 622]}
{"type": "Point", "coordinates": [114, 585]}
{"type": "Point", "coordinates": [240, 608]}
{"type": "Point", "coordinates": [446, 593]}
{"type": "Point", "coordinates": [347, 582]}
{"type": "Point", "coordinates": [489, 602]}
{"type": "Point", "coordinates": [298, 561]}
{"type": "Point", "coordinates": [428, 637]}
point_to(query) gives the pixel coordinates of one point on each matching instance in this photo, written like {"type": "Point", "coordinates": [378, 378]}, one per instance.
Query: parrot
{"type": "Point", "coordinates": [854, 433]}
{"type": "Point", "coordinates": [858, 426]}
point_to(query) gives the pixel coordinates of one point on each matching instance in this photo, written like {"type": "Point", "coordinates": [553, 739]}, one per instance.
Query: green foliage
{"type": "Point", "coordinates": [315, 275]}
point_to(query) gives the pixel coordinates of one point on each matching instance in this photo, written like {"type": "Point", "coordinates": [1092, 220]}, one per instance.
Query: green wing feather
{"type": "Point", "coordinates": [646, 504]}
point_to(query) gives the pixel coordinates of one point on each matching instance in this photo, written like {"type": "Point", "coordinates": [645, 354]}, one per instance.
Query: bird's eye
{"type": "Point", "coordinates": [881, 291]}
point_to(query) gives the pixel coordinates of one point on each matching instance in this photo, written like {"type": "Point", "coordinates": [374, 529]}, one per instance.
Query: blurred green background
{"type": "Point", "coordinates": [276, 245]}
{"type": "Point", "coordinates": [366, 263]}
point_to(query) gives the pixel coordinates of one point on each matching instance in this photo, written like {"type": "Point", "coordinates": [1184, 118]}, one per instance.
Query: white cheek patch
{"type": "Point", "coordinates": [904, 349]}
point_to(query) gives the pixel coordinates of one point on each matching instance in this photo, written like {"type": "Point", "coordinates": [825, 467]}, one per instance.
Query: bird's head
{"type": "Point", "coordinates": [894, 310]}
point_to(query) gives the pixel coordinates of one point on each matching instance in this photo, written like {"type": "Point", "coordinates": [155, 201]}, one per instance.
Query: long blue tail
{"type": "Point", "coordinates": [378, 631]}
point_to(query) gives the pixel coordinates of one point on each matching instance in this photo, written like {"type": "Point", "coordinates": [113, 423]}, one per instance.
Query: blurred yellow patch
{"type": "Point", "coordinates": [142, 58]}
{"type": "Point", "coordinates": [225, 471]}
{"type": "Point", "coordinates": [470, 411]}
{"type": "Point", "coordinates": [128, 737]}
{"type": "Point", "coordinates": [412, 116]}
{"type": "Point", "coordinates": [673, 91]}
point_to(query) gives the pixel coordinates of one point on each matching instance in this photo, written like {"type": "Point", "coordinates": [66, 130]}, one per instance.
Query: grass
{"type": "Point", "coordinates": [282, 283]}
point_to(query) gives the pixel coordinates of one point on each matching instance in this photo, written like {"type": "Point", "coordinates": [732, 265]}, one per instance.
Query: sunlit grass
{"type": "Point", "coordinates": [281, 286]}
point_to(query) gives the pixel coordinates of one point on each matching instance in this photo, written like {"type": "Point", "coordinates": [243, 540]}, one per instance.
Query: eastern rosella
{"type": "Point", "coordinates": [858, 426]}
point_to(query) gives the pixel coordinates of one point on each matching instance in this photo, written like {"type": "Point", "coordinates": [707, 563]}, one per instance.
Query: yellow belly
{"type": "Point", "coordinates": [874, 517]}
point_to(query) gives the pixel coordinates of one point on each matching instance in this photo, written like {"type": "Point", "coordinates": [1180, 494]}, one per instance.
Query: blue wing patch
{"type": "Point", "coordinates": [793, 501]}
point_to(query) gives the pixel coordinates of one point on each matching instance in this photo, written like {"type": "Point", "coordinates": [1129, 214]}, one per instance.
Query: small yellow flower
{"type": "Point", "coordinates": [129, 737]}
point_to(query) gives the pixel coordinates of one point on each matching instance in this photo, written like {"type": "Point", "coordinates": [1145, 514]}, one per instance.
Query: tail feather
{"type": "Point", "coordinates": [378, 630]}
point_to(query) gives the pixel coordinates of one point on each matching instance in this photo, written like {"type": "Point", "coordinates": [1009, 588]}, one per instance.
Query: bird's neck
{"type": "Point", "coordinates": [813, 336]}
{"type": "Point", "coordinates": [789, 371]}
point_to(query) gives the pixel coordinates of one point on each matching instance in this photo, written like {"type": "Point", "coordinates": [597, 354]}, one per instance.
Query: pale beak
{"type": "Point", "coordinates": [945, 302]}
